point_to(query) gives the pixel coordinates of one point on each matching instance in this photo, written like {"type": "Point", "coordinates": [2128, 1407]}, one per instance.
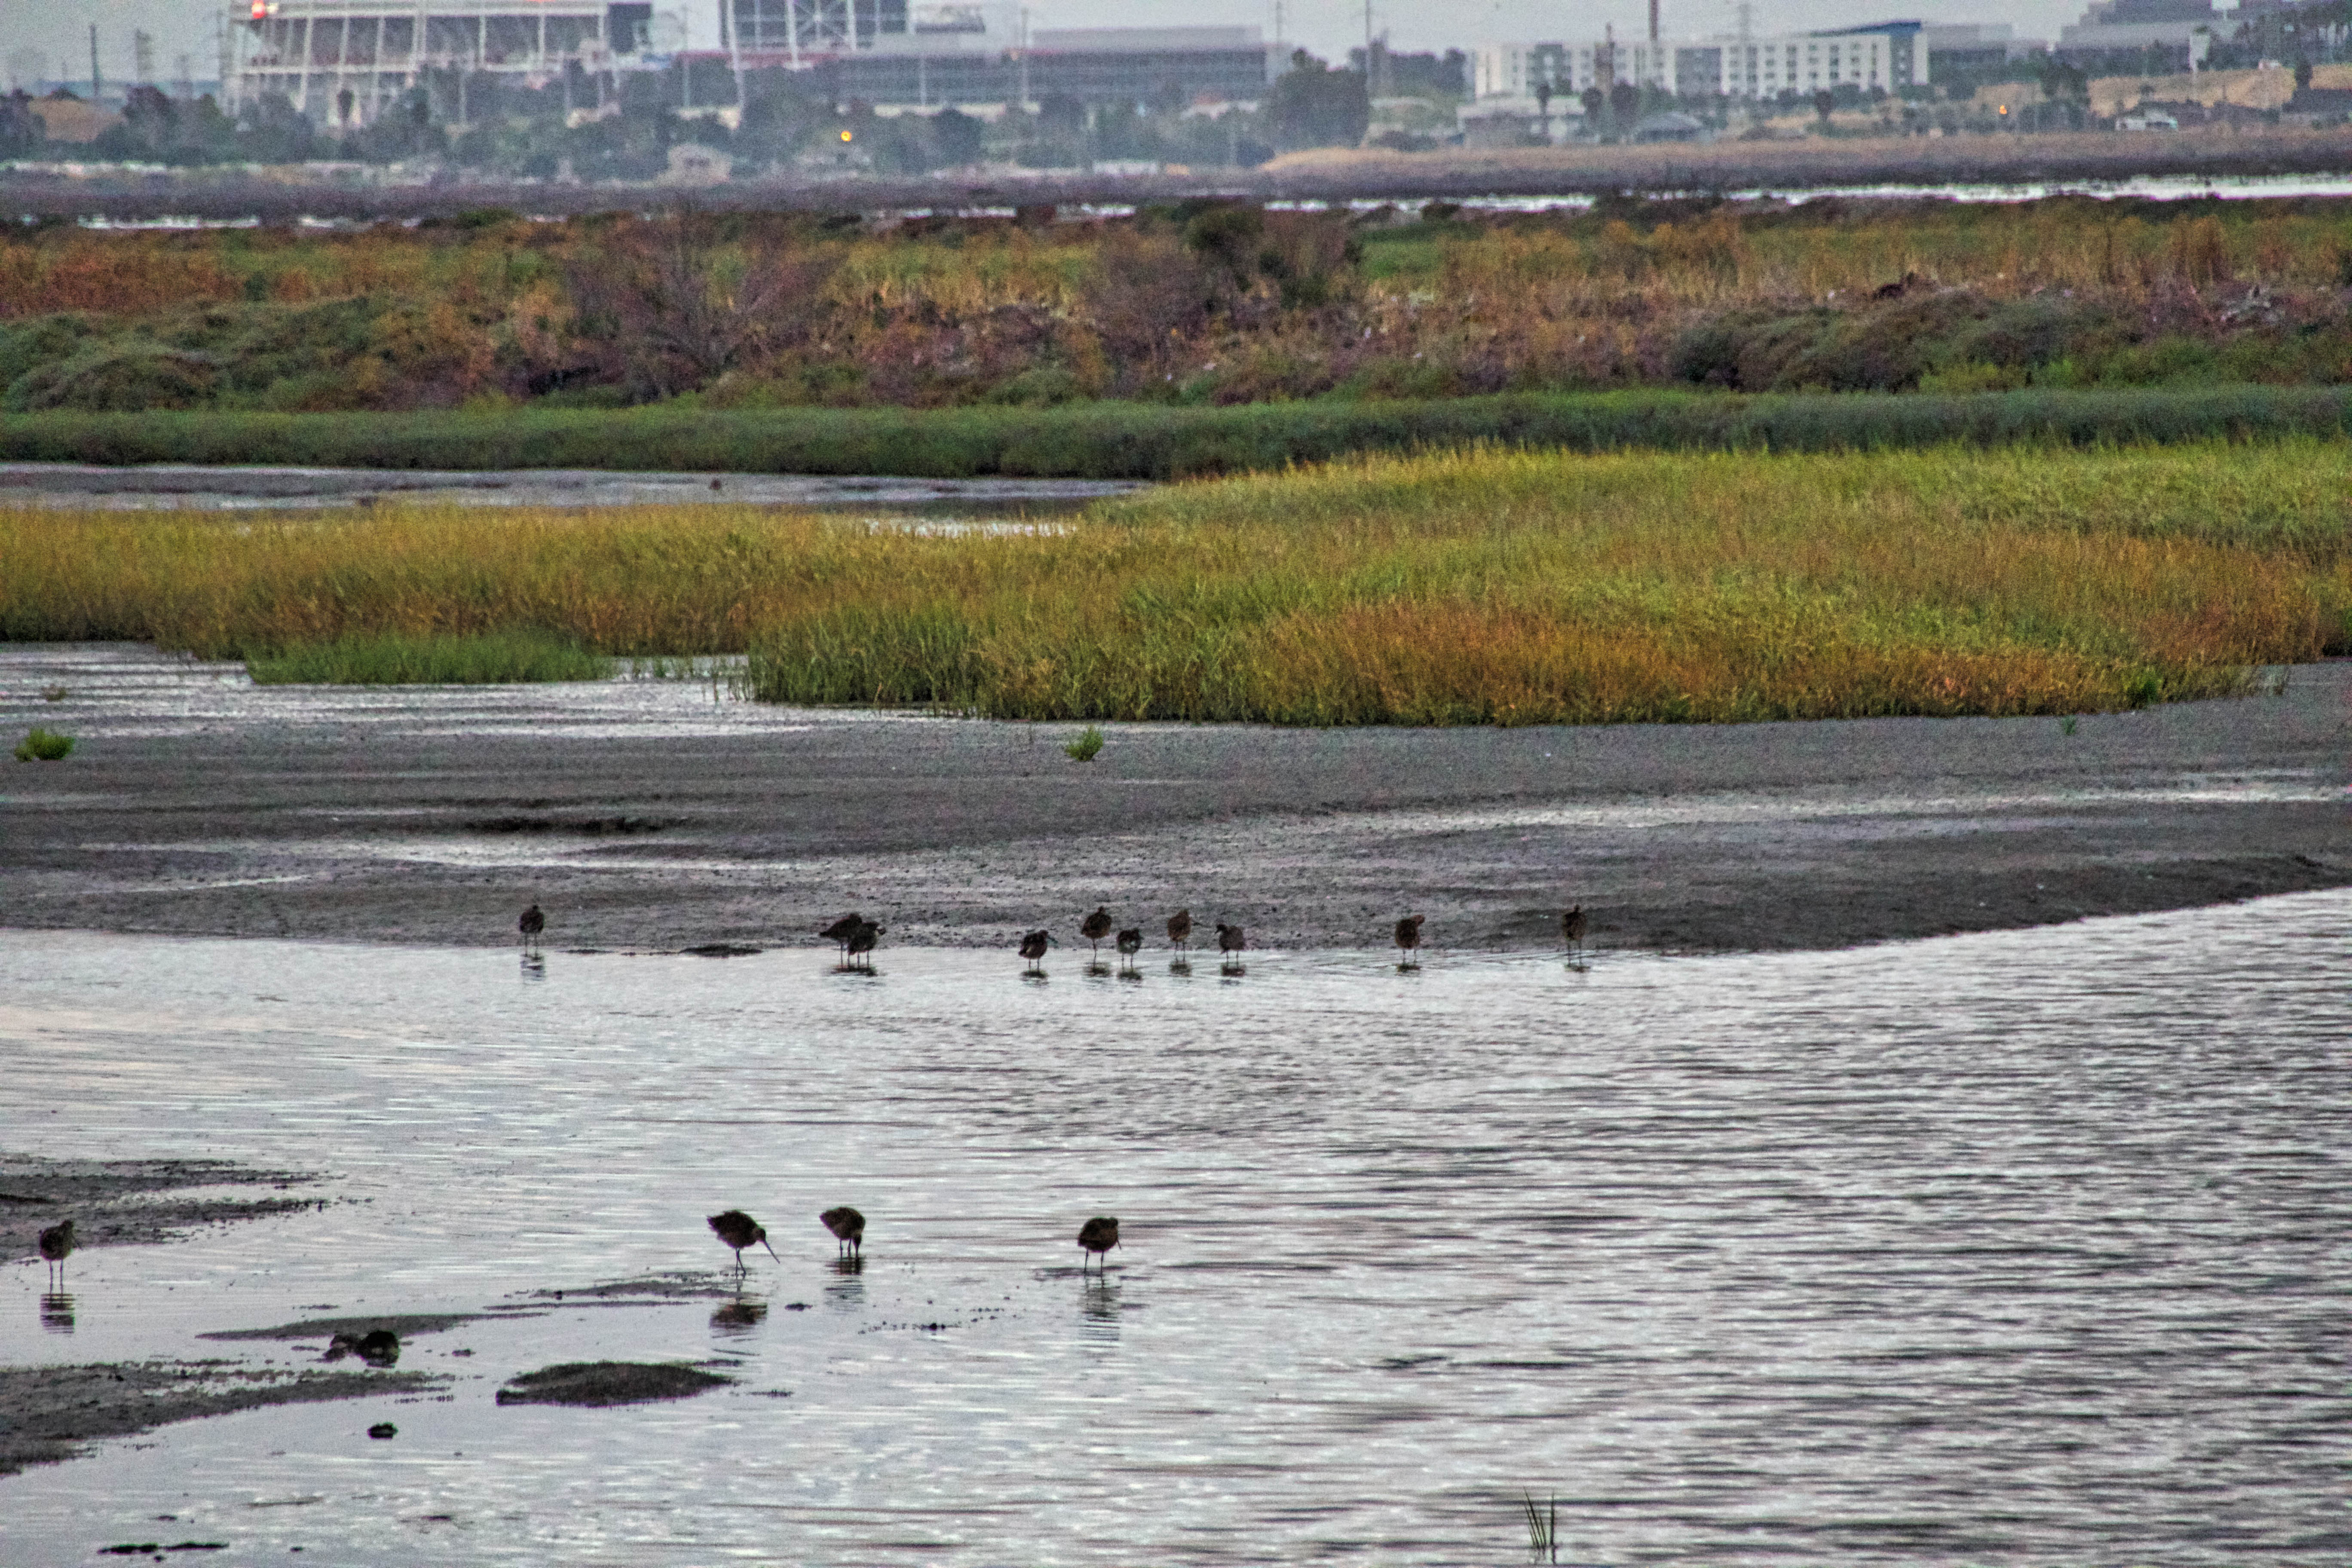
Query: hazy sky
{"type": "Point", "coordinates": [59, 29]}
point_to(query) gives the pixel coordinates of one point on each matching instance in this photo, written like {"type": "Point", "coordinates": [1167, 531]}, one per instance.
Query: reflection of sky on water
{"type": "Point", "coordinates": [2011, 1249]}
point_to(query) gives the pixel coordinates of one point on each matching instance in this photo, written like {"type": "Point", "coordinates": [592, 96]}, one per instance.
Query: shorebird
{"type": "Point", "coordinates": [740, 1230]}
{"type": "Point", "coordinates": [1407, 937]}
{"type": "Point", "coordinates": [1229, 938]}
{"type": "Point", "coordinates": [1034, 946]}
{"type": "Point", "coordinates": [531, 925]}
{"type": "Point", "coordinates": [1571, 929]}
{"type": "Point", "coordinates": [838, 932]}
{"type": "Point", "coordinates": [1131, 943]}
{"type": "Point", "coordinates": [862, 942]}
{"type": "Point", "coordinates": [1180, 929]}
{"type": "Point", "coordinates": [56, 1242]}
{"type": "Point", "coordinates": [1095, 927]}
{"type": "Point", "coordinates": [1099, 1233]}
{"type": "Point", "coordinates": [848, 1228]}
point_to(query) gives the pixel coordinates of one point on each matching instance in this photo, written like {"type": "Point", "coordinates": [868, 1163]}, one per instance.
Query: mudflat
{"type": "Point", "coordinates": [661, 816]}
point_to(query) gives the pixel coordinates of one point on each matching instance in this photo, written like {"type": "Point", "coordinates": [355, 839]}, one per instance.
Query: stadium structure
{"type": "Point", "coordinates": [345, 62]}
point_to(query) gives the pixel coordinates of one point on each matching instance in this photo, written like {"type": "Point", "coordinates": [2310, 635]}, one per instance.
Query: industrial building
{"type": "Point", "coordinates": [344, 62]}
{"type": "Point", "coordinates": [1886, 56]}
{"type": "Point", "coordinates": [341, 62]}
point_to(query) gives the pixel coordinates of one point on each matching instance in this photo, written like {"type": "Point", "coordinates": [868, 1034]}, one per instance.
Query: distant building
{"type": "Point", "coordinates": [1884, 55]}
{"type": "Point", "coordinates": [2167, 26]}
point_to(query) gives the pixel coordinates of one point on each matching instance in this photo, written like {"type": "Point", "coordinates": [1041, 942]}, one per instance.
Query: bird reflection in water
{"type": "Point", "coordinates": [58, 1312]}
{"type": "Point", "coordinates": [738, 1317]}
{"type": "Point", "coordinates": [1098, 1305]}
{"type": "Point", "coordinates": [534, 966]}
{"type": "Point", "coordinates": [1181, 967]}
{"type": "Point", "coordinates": [846, 1289]}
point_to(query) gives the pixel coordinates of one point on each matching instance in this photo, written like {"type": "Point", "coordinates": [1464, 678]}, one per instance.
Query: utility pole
{"type": "Point", "coordinates": [97, 82]}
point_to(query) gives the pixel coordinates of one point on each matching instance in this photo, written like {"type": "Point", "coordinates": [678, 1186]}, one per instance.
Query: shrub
{"type": "Point", "coordinates": [1084, 749]}
{"type": "Point", "coordinates": [44, 746]}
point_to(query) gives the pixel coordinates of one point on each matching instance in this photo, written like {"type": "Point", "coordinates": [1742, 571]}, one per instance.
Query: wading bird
{"type": "Point", "coordinates": [1180, 929]}
{"type": "Point", "coordinates": [863, 941]}
{"type": "Point", "coordinates": [1571, 929]}
{"type": "Point", "coordinates": [1034, 946]}
{"type": "Point", "coordinates": [838, 932]}
{"type": "Point", "coordinates": [740, 1230]}
{"type": "Point", "coordinates": [1229, 938]}
{"type": "Point", "coordinates": [848, 1228]}
{"type": "Point", "coordinates": [1408, 938]}
{"type": "Point", "coordinates": [1099, 1233]}
{"type": "Point", "coordinates": [1095, 927]}
{"type": "Point", "coordinates": [531, 925]}
{"type": "Point", "coordinates": [1131, 943]}
{"type": "Point", "coordinates": [56, 1242]}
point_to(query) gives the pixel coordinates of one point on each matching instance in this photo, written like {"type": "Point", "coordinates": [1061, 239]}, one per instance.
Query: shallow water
{"type": "Point", "coordinates": [205, 488]}
{"type": "Point", "coordinates": [2015, 1248]}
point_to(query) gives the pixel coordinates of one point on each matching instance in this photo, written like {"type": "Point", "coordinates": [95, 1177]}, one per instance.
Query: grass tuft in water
{"type": "Point", "coordinates": [484, 658]}
{"type": "Point", "coordinates": [41, 745]}
{"type": "Point", "coordinates": [1084, 748]}
{"type": "Point", "coordinates": [1543, 1529]}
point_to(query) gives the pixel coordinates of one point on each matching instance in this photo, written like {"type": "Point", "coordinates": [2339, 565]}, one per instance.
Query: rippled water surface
{"type": "Point", "coordinates": [2020, 1248]}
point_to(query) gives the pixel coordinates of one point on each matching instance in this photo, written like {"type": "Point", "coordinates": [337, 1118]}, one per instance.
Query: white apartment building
{"type": "Point", "coordinates": [1889, 56]}
{"type": "Point", "coordinates": [1514, 70]}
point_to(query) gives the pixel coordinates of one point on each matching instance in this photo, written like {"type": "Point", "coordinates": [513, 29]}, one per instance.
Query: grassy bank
{"type": "Point", "coordinates": [1157, 442]}
{"type": "Point", "coordinates": [1464, 588]}
{"type": "Point", "coordinates": [391, 658]}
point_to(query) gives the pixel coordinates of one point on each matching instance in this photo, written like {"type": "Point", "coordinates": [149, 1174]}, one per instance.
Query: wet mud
{"type": "Point", "coordinates": [116, 1202]}
{"type": "Point", "coordinates": [603, 1383]}
{"type": "Point", "coordinates": [50, 1413]}
{"type": "Point", "coordinates": [200, 805]}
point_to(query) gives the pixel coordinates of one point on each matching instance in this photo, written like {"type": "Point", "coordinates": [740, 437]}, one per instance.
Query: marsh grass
{"type": "Point", "coordinates": [1543, 1528]}
{"type": "Point", "coordinates": [1477, 587]}
{"type": "Point", "coordinates": [41, 745]}
{"type": "Point", "coordinates": [1140, 441]}
{"type": "Point", "coordinates": [480, 658]}
{"type": "Point", "coordinates": [1087, 747]}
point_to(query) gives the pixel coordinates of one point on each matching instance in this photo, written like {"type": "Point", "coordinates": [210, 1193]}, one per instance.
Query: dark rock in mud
{"type": "Point", "coordinates": [599, 1383]}
{"type": "Point", "coordinates": [394, 1326]}
{"type": "Point", "coordinates": [377, 1347]}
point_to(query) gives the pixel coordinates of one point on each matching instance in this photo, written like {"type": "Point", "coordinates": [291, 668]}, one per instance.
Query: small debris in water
{"type": "Point", "coordinates": [384, 1429]}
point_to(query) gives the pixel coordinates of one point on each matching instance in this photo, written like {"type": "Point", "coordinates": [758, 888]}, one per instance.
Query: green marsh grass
{"type": "Point", "coordinates": [479, 659]}
{"type": "Point", "coordinates": [1474, 588]}
{"type": "Point", "coordinates": [1143, 441]}
{"type": "Point", "coordinates": [41, 745]}
{"type": "Point", "coordinates": [1087, 747]}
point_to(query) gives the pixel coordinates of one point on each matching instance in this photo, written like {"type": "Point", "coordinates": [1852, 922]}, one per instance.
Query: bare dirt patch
{"type": "Point", "coordinates": [600, 1383]}
{"type": "Point", "coordinates": [49, 1414]}
{"type": "Point", "coordinates": [116, 1202]}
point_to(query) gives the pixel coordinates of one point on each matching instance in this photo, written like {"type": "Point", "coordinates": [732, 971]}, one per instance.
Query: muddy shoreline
{"type": "Point", "coordinates": [668, 820]}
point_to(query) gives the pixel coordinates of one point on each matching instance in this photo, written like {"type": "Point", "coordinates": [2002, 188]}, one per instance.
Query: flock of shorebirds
{"type": "Point", "coordinates": [741, 1231]}
{"type": "Point", "coordinates": [856, 937]}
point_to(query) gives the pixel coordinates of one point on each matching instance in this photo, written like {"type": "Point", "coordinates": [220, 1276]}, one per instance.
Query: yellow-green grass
{"type": "Point", "coordinates": [506, 656]}
{"type": "Point", "coordinates": [1473, 587]}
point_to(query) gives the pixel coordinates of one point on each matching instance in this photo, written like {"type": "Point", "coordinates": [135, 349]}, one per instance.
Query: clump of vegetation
{"type": "Point", "coordinates": [41, 745]}
{"type": "Point", "coordinates": [482, 658]}
{"type": "Point", "coordinates": [1470, 588]}
{"type": "Point", "coordinates": [1201, 302]}
{"type": "Point", "coordinates": [1087, 747]}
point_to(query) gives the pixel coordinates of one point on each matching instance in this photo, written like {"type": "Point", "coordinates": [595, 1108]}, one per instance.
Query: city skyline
{"type": "Point", "coordinates": [59, 30]}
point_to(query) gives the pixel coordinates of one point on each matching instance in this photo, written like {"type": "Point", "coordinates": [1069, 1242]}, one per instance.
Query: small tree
{"type": "Point", "coordinates": [1823, 102]}
{"type": "Point", "coordinates": [2302, 75]}
{"type": "Point", "coordinates": [1314, 106]}
{"type": "Point", "coordinates": [1624, 105]}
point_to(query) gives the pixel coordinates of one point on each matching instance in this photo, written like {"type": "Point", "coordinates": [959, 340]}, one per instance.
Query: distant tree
{"type": "Point", "coordinates": [21, 131]}
{"type": "Point", "coordinates": [2302, 75]}
{"type": "Point", "coordinates": [1595, 101]}
{"type": "Point", "coordinates": [1824, 101]}
{"type": "Point", "coordinates": [955, 136]}
{"type": "Point", "coordinates": [1543, 101]}
{"type": "Point", "coordinates": [1624, 104]}
{"type": "Point", "coordinates": [1314, 106]}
